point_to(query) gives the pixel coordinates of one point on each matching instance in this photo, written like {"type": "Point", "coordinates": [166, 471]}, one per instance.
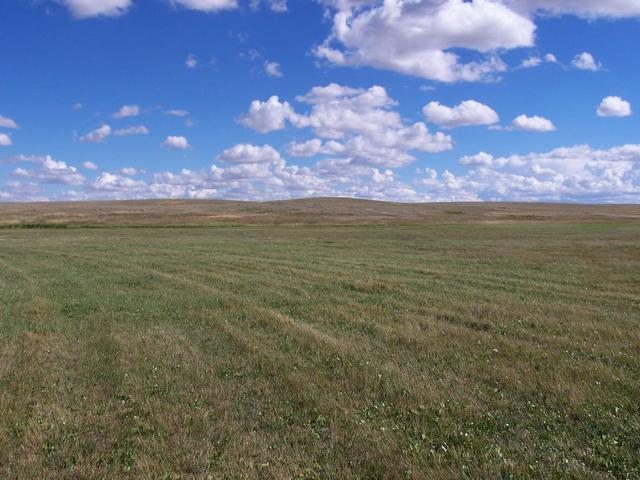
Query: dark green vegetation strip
{"type": "Point", "coordinates": [33, 225]}
{"type": "Point", "coordinates": [337, 352]}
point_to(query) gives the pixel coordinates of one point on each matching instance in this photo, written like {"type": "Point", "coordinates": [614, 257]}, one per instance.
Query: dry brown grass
{"type": "Point", "coordinates": [326, 211]}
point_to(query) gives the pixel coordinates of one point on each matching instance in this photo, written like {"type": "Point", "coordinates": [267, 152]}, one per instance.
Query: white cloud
{"type": "Point", "coordinates": [95, 8]}
{"type": "Point", "coordinates": [535, 61]}
{"type": "Point", "coordinates": [279, 6]}
{"type": "Point", "coordinates": [583, 8]}
{"type": "Point", "coordinates": [378, 177]}
{"type": "Point", "coordinates": [133, 130]}
{"type": "Point", "coordinates": [259, 181]}
{"type": "Point", "coordinates": [359, 125]}
{"type": "Point", "coordinates": [466, 113]}
{"type": "Point", "coordinates": [7, 122]}
{"type": "Point", "coordinates": [268, 116]}
{"type": "Point", "coordinates": [359, 128]}
{"type": "Point", "coordinates": [422, 37]}
{"type": "Point", "coordinates": [480, 159]}
{"type": "Point", "coordinates": [273, 69]}
{"type": "Point", "coordinates": [127, 111]}
{"type": "Point", "coordinates": [177, 142]}
{"type": "Point", "coordinates": [416, 38]}
{"type": "Point", "coordinates": [176, 113]}
{"type": "Point", "coordinates": [131, 171]}
{"type": "Point", "coordinates": [614, 107]}
{"type": "Point", "coordinates": [98, 135]}
{"type": "Point", "coordinates": [89, 166]}
{"type": "Point", "coordinates": [578, 173]}
{"type": "Point", "coordinates": [209, 6]}
{"type": "Point", "coordinates": [110, 182]}
{"type": "Point", "coordinates": [310, 148]}
{"type": "Point", "coordinates": [338, 111]}
{"type": "Point", "coordinates": [327, 93]}
{"type": "Point", "coordinates": [531, 62]}
{"type": "Point", "coordinates": [246, 153]}
{"type": "Point", "coordinates": [533, 124]}
{"type": "Point", "coordinates": [585, 61]}
{"type": "Point", "coordinates": [48, 171]}
{"type": "Point", "coordinates": [16, 190]}
{"type": "Point", "coordinates": [191, 61]}
{"type": "Point", "coordinates": [5, 140]}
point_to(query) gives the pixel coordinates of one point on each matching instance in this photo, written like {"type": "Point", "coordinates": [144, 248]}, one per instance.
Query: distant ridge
{"type": "Point", "coordinates": [313, 211]}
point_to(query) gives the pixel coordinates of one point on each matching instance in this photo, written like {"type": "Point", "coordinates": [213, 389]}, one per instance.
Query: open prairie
{"type": "Point", "coordinates": [319, 339]}
{"type": "Point", "coordinates": [324, 211]}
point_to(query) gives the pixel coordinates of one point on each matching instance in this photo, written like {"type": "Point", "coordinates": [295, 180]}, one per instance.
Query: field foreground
{"type": "Point", "coordinates": [429, 351]}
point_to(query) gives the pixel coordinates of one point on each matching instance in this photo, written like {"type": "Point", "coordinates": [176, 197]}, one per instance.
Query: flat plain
{"type": "Point", "coordinates": [319, 339]}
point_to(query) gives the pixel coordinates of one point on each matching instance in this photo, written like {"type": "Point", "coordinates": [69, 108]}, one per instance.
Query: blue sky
{"type": "Point", "coordinates": [414, 100]}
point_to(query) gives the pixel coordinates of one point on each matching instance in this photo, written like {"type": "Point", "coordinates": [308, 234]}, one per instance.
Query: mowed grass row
{"type": "Point", "coordinates": [432, 352]}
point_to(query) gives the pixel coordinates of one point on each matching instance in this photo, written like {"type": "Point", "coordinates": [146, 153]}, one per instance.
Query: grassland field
{"type": "Point", "coordinates": [447, 342]}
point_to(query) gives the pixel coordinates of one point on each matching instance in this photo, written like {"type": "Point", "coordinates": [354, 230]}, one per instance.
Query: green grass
{"type": "Point", "coordinates": [501, 351]}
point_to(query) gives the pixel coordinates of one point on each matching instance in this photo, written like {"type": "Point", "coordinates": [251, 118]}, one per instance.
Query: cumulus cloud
{"type": "Point", "coordinates": [614, 107]}
{"type": "Point", "coordinates": [585, 61]}
{"type": "Point", "coordinates": [378, 177]}
{"type": "Point", "coordinates": [111, 182]}
{"type": "Point", "coordinates": [327, 93]}
{"type": "Point", "coordinates": [479, 159]}
{"type": "Point", "coordinates": [16, 190]}
{"type": "Point", "coordinates": [360, 125]}
{"type": "Point", "coordinates": [133, 130]}
{"type": "Point", "coordinates": [269, 116]}
{"type": "Point", "coordinates": [176, 142]}
{"type": "Point", "coordinates": [417, 38]}
{"type": "Point", "coordinates": [5, 140]}
{"type": "Point", "coordinates": [209, 6]}
{"type": "Point", "coordinates": [464, 114]}
{"type": "Point", "coordinates": [310, 148]}
{"type": "Point", "coordinates": [98, 135]}
{"type": "Point", "coordinates": [48, 170]}
{"type": "Point", "coordinates": [533, 124]}
{"type": "Point", "coordinates": [273, 69]}
{"type": "Point", "coordinates": [89, 166]}
{"type": "Point", "coordinates": [536, 61]}
{"type": "Point", "coordinates": [95, 8]}
{"type": "Point", "coordinates": [7, 122]}
{"type": "Point", "coordinates": [246, 153]}
{"type": "Point", "coordinates": [531, 62]}
{"type": "Point", "coordinates": [578, 173]}
{"type": "Point", "coordinates": [131, 171]}
{"type": "Point", "coordinates": [338, 111]}
{"type": "Point", "coordinates": [423, 37]}
{"type": "Point", "coordinates": [265, 180]}
{"type": "Point", "coordinates": [176, 113]}
{"type": "Point", "coordinates": [127, 111]}
{"type": "Point", "coordinates": [278, 6]}
{"type": "Point", "coordinates": [589, 9]}
{"type": "Point", "coordinates": [191, 61]}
